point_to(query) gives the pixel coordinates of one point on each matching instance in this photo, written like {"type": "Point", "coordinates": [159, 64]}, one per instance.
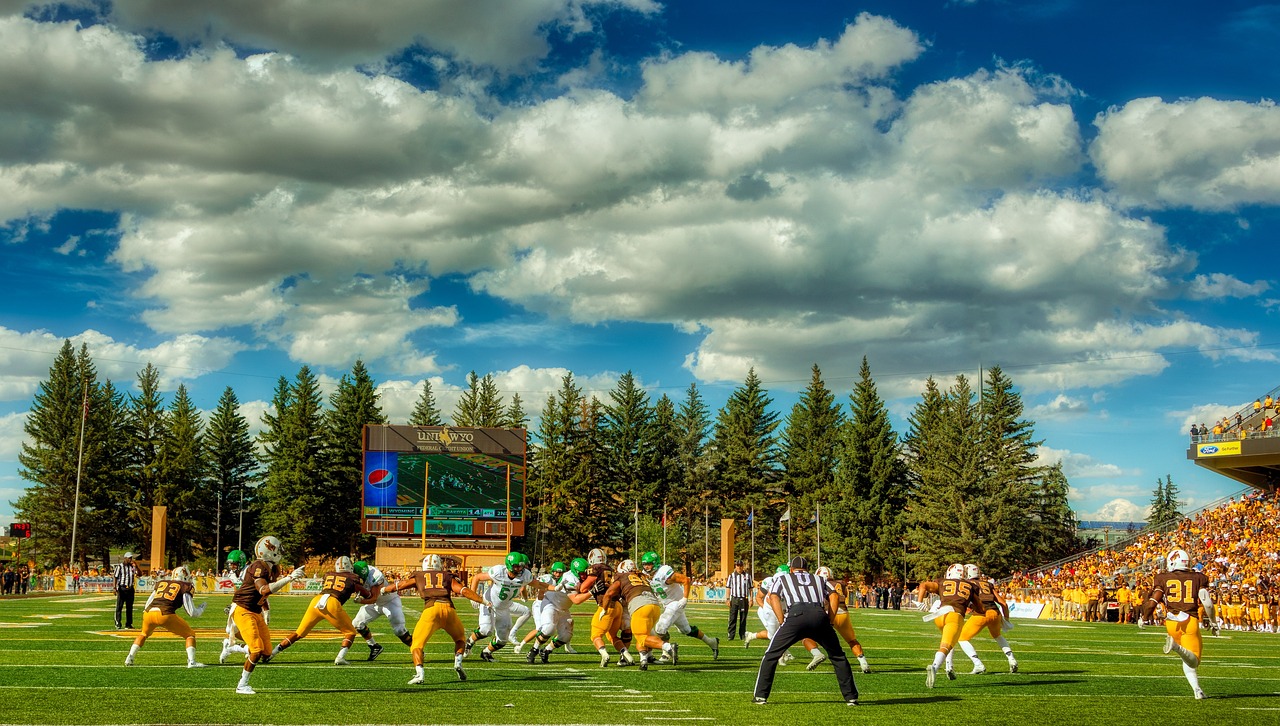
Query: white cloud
{"type": "Point", "coordinates": [1118, 510]}
{"type": "Point", "coordinates": [1061, 407]}
{"type": "Point", "coordinates": [1202, 153]}
{"type": "Point", "coordinates": [1080, 466]}
{"type": "Point", "coordinates": [12, 435]}
{"type": "Point", "coordinates": [1217, 285]}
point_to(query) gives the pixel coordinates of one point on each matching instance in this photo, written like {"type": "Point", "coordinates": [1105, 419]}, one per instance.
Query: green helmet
{"type": "Point", "coordinates": [557, 567]}
{"type": "Point", "coordinates": [237, 557]}
{"type": "Point", "coordinates": [578, 566]}
{"type": "Point", "coordinates": [650, 560]}
{"type": "Point", "coordinates": [781, 569]}
{"type": "Point", "coordinates": [515, 559]}
{"type": "Point", "coordinates": [361, 568]}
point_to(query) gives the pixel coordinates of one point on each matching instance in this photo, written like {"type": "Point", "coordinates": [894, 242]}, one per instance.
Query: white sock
{"type": "Point", "coordinates": [244, 678]}
{"type": "Point", "coordinates": [191, 654]}
{"type": "Point", "coordinates": [938, 657]}
{"type": "Point", "coordinates": [1192, 677]}
{"type": "Point", "coordinates": [969, 650]}
{"type": "Point", "coordinates": [370, 641]}
{"type": "Point", "coordinates": [815, 652]}
{"type": "Point", "coordinates": [710, 641]}
{"type": "Point", "coordinates": [666, 647]}
{"type": "Point", "coordinates": [950, 660]}
{"type": "Point", "coordinates": [457, 662]}
{"type": "Point", "coordinates": [862, 661]}
{"type": "Point", "coordinates": [133, 650]}
{"type": "Point", "coordinates": [342, 653]}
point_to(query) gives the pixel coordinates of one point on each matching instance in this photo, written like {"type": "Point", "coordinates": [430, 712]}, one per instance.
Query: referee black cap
{"type": "Point", "coordinates": [799, 563]}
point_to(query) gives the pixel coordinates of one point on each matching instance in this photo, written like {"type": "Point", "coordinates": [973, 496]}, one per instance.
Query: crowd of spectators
{"type": "Point", "coordinates": [1258, 422]}
{"type": "Point", "coordinates": [1236, 544]}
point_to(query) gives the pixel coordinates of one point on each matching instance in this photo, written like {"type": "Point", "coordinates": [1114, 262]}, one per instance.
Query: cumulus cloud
{"type": "Point", "coordinates": [1201, 153]}
{"type": "Point", "coordinates": [1079, 466]}
{"type": "Point", "coordinates": [12, 435]}
{"type": "Point", "coordinates": [1061, 407]}
{"type": "Point", "coordinates": [1217, 285]}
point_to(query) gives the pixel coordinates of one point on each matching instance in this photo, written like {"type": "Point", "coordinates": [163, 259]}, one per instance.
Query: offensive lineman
{"type": "Point", "coordinates": [336, 588]}
{"type": "Point", "coordinates": [1182, 592]}
{"type": "Point", "coordinates": [506, 581]}
{"type": "Point", "coordinates": [631, 588]}
{"type": "Point", "coordinates": [380, 602]}
{"type": "Point", "coordinates": [161, 611]}
{"type": "Point", "coordinates": [607, 620]}
{"type": "Point", "coordinates": [669, 586]}
{"type": "Point", "coordinates": [437, 584]}
{"type": "Point", "coordinates": [261, 580]}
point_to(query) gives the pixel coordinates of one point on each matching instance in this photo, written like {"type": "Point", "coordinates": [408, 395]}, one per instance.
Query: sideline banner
{"type": "Point", "coordinates": [1025, 609]}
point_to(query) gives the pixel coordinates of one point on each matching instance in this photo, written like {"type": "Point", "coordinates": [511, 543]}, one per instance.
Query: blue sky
{"type": "Point", "coordinates": [1084, 193]}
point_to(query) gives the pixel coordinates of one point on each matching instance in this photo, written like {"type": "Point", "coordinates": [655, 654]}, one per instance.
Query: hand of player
{"type": "Point", "coordinates": [200, 609]}
{"type": "Point", "coordinates": [1216, 630]}
{"type": "Point", "coordinates": [227, 609]}
{"type": "Point", "coordinates": [297, 574]}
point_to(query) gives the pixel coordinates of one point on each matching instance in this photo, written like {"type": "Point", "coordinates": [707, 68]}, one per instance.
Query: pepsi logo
{"type": "Point", "coordinates": [381, 478]}
{"type": "Point", "coordinates": [1208, 449]}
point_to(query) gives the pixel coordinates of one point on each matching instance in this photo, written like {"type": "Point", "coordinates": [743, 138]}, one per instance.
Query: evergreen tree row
{"type": "Point", "coordinates": [960, 485]}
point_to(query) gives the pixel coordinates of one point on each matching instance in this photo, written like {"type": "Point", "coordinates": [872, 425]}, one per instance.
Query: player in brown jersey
{"type": "Point", "coordinates": [607, 621]}
{"type": "Point", "coordinates": [958, 596]}
{"type": "Point", "coordinates": [336, 587]}
{"type": "Point", "coordinates": [631, 588]}
{"type": "Point", "coordinates": [994, 621]}
{"type": "Point", "coordinates": [436, 584]}
{"type": "Point", "coordinates": [261, 580]}
{"type": "Point", "coordinates": [841, 622]}
{"type": "Point", "coordinates": [161, 611]}
{"type": "Point", "coordinates": [1182, 592]}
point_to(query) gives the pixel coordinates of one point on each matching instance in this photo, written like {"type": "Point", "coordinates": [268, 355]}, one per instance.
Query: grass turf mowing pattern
{"type": "Point", "coordinates": [65, 665]}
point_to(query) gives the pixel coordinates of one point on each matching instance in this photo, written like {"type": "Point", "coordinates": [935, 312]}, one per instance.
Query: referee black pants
{"type": "Point", "coordinates": [124, 601]}
{"type": "Point", "coordinates": [806, 621]}
{"type": "Point", "coordinates": [737, 617]}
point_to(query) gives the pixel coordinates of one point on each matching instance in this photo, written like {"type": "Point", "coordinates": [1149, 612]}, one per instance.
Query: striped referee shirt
{"type": "Point", "coordinates": [739, 584]}
{"type": "Point", "coordinates": [800, 588]}
{"type": "Point", "coordinates": [124, 574]}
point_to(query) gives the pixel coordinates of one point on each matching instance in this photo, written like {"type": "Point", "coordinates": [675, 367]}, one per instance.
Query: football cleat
{"type": "Point", "coordinates": [851, 702]}
{"type": "Point", "coordinates": [532, 656]}
{"type": "Point", "coordinates": [486, 656]}
{"type": "Point", "coordinates": [226, 651]}
{"type": "Point", "coordinates": [245, 690]}
{"type": "Point", "coordinates": [818, 660]}
{"type": "Point", "coordinates": [978, 670]}
{"type": "Point", "coordinates": [128, 660]}
{"type": "Point", "coordinates": [375, 650]}
{"type": "Point", "coordinates": [1013, 666]}
{"type": "Point", "coordinates": [644, 662]}
{"type": "Point", "coordinates": [664, 659]}
{"type": "Point", "coordinates": [462, 675]}
{"type": "Point", "coordinates": [545, 655]}
{"type": "Point", "coordinates": [866, 669]}
{"type": "Point", "coordinates": [519, 647]}
{"type": "Point", "coordinates": [759, 701]}
{"type": "Point", "coordinates": [1168, 643]}
{"type": "Point", "coordinates": [746, 641]}
{"type": "Point", "coordinates": [195, 665]}
{"type": "Point", "coordinates": [930, 674]}
{"type": "Point", "coordinates": [1199, 694]}
{"type": "Point", "coordinates": [786, 658]}
{"type": "Point", "coordinates": [604, 660]}
{"type": "Point", "coordinates": [951, 674]}
{"type": "Point", "coordinates": [675, 654]}
{"type": "Point", "coordinates": [341, 661]}
{"type": "Point", "coordinates": [569, 649]}
{"type": "Point", "coordinates": [417, 680]}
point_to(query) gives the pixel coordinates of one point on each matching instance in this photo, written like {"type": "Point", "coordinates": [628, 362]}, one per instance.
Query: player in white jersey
{"type": "Point", "coordinates": [669, 586]}
{"type": "Point", "coordinates": [379, 603]}
{"type": "Point", "coordinates": [233, 643]}
{"type": "Point", "coordinates": [505, 582]}
{"type": "Point", "coordinates": [554, 619]}
{"type": "Point", "coordinates": [768, 618]}
{"type": "Point", "coordinates": [541, 584]}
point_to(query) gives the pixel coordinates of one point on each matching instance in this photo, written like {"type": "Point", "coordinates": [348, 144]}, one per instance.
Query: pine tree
{"type": "Point", "coordinates": [185, 492]}
{"type": "Point", "coordinates": [294, 459]}
{"type": "Point", "coordinates": [466, 412]}
{"type": "Point", "coordinates": [352, 406]}
{"type": "Point", "coordinates": [147, 425]}
{"type": "Point", "coordinates": [1157, 514]}
{"type": "Point", "coordinates": [1171, 501]}
{"type": "Point", "coordinates": [1054, 521]}
{"type": "Point", "coordinates": [515, 417]}
{"type": "Point", "coordinates": [628, 438]}
{"type": "Point", "coordinates": [689, 493]}
{"type": "Point", "coordinates": [425, 411]}
{"type": "Point", "coordinates": [489, 406]}
{"type": "Point", "coordinates": [1009, 479]}
{"type": "Point", "coordinates": [745, 458]}
{"type": "Point", "coordinates": [232, 469]}
{"type": "Point", "coordinates": [808, 450]}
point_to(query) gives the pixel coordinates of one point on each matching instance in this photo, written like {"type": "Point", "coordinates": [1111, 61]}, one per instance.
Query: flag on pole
{"type": "Point", "coordinates": [814, 518]}
{"type": "Point", "coordinates": [786, 516]}
{"type": "Point", "coordinates": [751, 517]}
{"type": "Point", "coordinates": [664, 515]}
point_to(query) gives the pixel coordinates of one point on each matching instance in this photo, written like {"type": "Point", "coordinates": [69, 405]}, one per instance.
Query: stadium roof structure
{"type": "Point", "coordinates": [1252, 459]}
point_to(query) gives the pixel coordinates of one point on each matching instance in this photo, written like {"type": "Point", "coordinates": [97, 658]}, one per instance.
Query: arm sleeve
{"type": "Point", "coordinates": [188, 604]}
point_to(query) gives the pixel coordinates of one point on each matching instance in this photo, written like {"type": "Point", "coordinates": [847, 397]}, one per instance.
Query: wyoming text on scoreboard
{"type": "Point", "coordinates": [443, 481]}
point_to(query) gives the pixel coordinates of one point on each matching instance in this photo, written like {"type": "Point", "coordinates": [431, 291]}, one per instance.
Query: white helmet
{"type": "Point", "coordinates": [627, 566]}
{"type": "Point", "coordinates": [662, 573]}
{"type": "Point", "coordinates": [595, 557]}
{"type": "Point", "coordinates": [268, 549]}
{"type": "Point", "coordinates": [432, 562]}
{"type": "Point", "coordinates": [824, 572]}
{"type": "Point", "coordinates": [1177, 560]}
{"type": "Point", "coordinates": [181, 574]}
{"type": "Point", "coordinates": [955, 572]}
{"type": "Point", "coordinates": [971, 572]}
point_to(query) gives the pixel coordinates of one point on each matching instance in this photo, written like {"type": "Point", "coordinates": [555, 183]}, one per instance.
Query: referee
{"type": "Point", "coordinates": [739, 590]}
{"type": "Point", "coordinates": [809, 605]}
{"type": "Point", "coordinates": [124, 575]}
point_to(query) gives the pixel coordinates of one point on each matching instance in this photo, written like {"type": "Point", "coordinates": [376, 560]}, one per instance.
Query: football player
{"type": "Point", "coordinates": [540, 584]}
{"type": "Point", "coordinates": [769, 620]}
{"type": "Point", "coordinates": [958, 596]}
{"type": "Point", "coordinates": [506, 581]}
{"type": "Point", "coordinates": [994, 620]}
{"type": "Point", "coordinates": [1182, 592]}
{"type": "Point", "coordinates": [670, 587]}
{"type": "Point", "coordinates": [161, 611]}
{"type": "Point", "coordinates": [233, 643]}
{"type": "Point", "coordinates": [261, 580]}
{"type": "Point", "coordinates": [633, 591]}
{"type": "Point", "coordinates": [607, 620]}
{"type": "Point", "coordinates": [380, 602]}
{"type": "Point", "coordinates": [842, 623]}
{"type": "Point", "coordinates": [337, 586]}
{"type": "Point", "coordinates": [436, 583]}
{"type": "Point", "coordinates": [555, 623]}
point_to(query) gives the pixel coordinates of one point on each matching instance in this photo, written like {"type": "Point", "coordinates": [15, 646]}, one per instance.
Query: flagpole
{"type": "Point", "coordinates": [664, 532]}
{"type": "Point", "coordinates": [635, 522]}
{"type": "Point", "coordinates": [817, 514]}
{"type": "Point", "coordinates": [706, 543]}
{"type": "Point", "coordinates": [75, 512]}
{"type": "Point", "coordinates": [753, 542]}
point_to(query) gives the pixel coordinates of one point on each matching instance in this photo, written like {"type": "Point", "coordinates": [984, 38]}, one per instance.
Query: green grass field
{"type": "Point", "coordinates": [63, 664]}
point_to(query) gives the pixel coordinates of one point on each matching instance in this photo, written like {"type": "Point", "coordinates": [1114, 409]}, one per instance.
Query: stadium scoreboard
{"type": "Point", "coordinates": [452, 482]}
